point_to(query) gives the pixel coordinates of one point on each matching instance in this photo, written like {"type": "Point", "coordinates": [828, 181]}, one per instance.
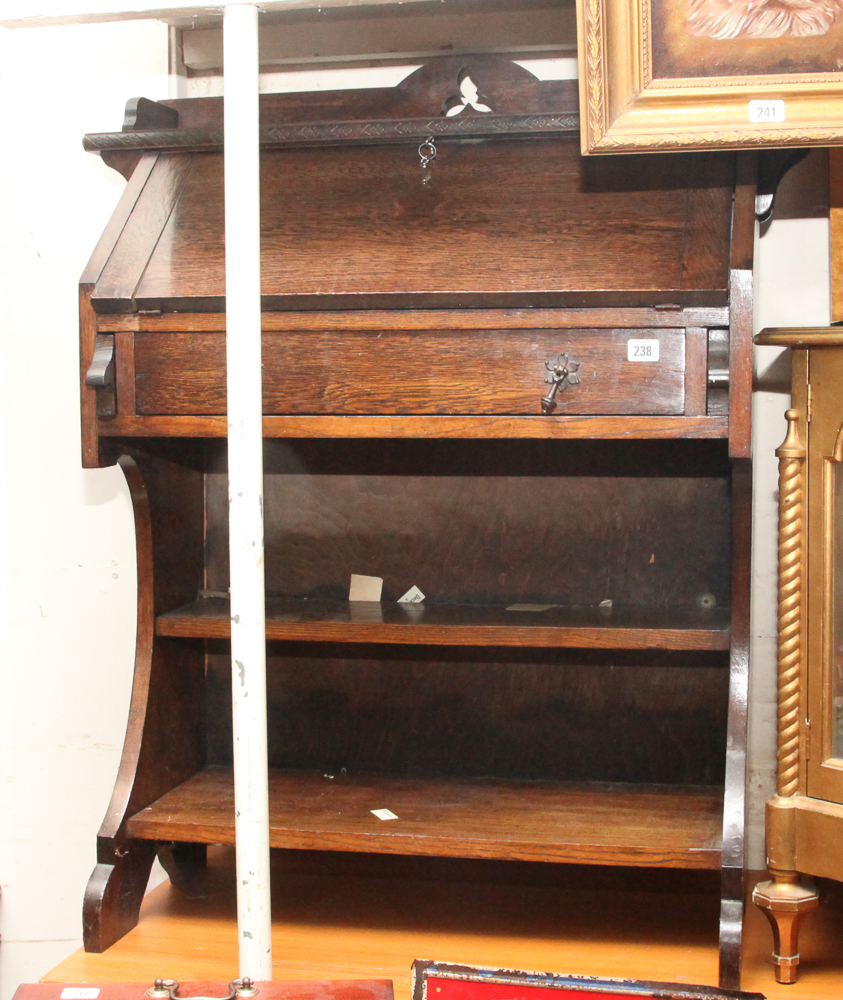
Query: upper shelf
{"type": "Point", "coordinates": [526, 223]}
{"type": "Point", "coordinates": [464, 625]}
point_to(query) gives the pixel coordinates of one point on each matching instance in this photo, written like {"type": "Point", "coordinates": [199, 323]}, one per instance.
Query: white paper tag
{"type": "Point", "coordinates": [79, 993]}
{"type": "Point", "coordinates": [413, 596]}
{"type": "Point", "coordinates": [761, 112]}
{"type": "Point", "coordinates": [365, 588]}
{"type": "Point", "coordinates": [383, 813]}
{"type": "Point", "coordinates": [642, 350]}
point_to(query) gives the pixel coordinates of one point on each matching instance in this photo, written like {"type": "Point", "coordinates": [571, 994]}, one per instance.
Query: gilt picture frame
{"type": "Point", "coordinates": [663, 75]}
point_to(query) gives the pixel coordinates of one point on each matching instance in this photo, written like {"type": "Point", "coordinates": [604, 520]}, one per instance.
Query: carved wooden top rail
{"type": "Point", "coordinates": [461, 97]}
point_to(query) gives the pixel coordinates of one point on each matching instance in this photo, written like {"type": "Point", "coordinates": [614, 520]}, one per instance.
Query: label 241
{"type": "Point", "coordinates": [642, 350]}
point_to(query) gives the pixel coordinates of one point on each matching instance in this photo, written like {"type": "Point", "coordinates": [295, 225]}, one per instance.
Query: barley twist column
{"type": "Point", "coordinates": [791, 457]}
{"type": "Point", "coordinates": [784, 900]}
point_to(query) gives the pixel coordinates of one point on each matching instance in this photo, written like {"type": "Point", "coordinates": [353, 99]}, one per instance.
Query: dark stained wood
{"type": "Point", "coordinates": [740, 299]}
{"type": "Point", "coordinates": [553, 426]}
{"type": "Point", "coordinates": [696, 371]}
{"type": "Point", "coordinates": [141, 113]}
{"type": "Point", "coordinates": [163, 742]}
{"type": "Point", "coordinates": [87, 394]}
{"type": "Point", "coordinates": [365, 621]}
{"type": "Point", "coordinates": [734, 800]}
{"type": "Point", "coordinates": [536, 821]}
{"type": "Point", "coordinates": [125, 372]}
{"type": "Point", "coordinates": [383, 238]}
{"type": "Point", "coordinates": [568, 523]}
{"type": "Point", "coordinates": [630, 716]}
{"type": "Point", "coordinates": [126, 263]}
{"type": "Point", "coordinates": [406, 329]}
{"type": "Point", "coordinates": [743, 228]}
{"type": "Point", "coordinates": [740, 366]}
{"type": "Point", "coordinates": [428, 319]}
{"type": "Point", "coordinates": [406, 372]}
{"type": "Point", "coordinates": [510, 88]}
{"type": "Point", "coordinates": [100, 375]}
{"type": "Point", "coordinates": [518, 101]}
{"type": "Point", "coordinates": [111, 233]}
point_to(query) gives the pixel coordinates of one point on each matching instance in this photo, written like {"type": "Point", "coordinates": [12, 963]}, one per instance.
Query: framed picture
{"type": "Point", "coordinates": [445, 981]}
{"type": "Point", "coordinates": [719, 74]}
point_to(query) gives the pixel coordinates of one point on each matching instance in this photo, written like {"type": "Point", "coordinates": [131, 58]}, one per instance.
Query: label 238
{"type": "Point", "coordinates": [642, 350]}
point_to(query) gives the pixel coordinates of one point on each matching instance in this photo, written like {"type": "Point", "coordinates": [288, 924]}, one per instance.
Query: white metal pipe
{"type": "Point", "coordinates": [245, 485]}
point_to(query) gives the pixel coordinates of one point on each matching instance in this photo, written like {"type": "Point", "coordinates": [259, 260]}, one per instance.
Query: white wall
{"type": "Point", "coordinates": [67, 537]}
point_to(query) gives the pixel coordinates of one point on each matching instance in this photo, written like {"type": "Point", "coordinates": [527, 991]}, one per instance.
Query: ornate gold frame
{"type": "Point", "coordinates": [624, 109]}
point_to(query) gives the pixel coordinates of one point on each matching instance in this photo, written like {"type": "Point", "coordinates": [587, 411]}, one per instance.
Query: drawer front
{"type": "Point", "coordinates": [422, 372]}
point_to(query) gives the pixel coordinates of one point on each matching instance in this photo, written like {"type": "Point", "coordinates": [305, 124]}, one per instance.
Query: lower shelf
{"type": "Point", "coordinates": [518, 625]}
{"type": "Point", "coordinates": [610, 824]}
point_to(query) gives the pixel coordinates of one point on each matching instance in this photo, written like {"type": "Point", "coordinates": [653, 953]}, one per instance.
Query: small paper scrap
{"type": "Point", "coordinates": [605, 604]}
{"type": "Point", "coordinates": [383, 813]}
{"type": "Point", "coordinates": [365, 588]}
{"type": "Point", "coordinates": [531, 607]}
{"type": "Point", "coordinates": [79, 993]}
{"type": "Point", "coordinates": [413, 596]}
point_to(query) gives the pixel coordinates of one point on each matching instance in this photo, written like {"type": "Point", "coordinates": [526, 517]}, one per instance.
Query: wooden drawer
{"type": "Point", "coordinates": [418, 372]}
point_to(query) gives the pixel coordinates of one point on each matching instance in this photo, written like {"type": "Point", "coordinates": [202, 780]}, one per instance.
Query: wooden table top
{"type": "Point", "coordinates": [342, 916]}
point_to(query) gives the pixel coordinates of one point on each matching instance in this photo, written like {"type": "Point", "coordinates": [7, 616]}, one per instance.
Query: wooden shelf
{"type": "Point", "coordinates": [462, 625]}
{"type": "Point", "coordinates": [597, 823]}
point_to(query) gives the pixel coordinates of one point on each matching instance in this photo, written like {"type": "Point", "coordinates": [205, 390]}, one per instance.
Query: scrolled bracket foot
{"type": "Point", "coordinates": [114, 894]}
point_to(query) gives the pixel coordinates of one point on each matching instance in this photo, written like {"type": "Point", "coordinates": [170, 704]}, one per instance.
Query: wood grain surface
{"type": "Point", "coordinates": [489, 523]}
{"type": "Point", "coordinates": [384, 238]}
{"type": "Point", "coordinates": [368, 621]}
{"type": "Point", "coordinates": [428, 319]}
{"type": "Point", "coordinates": [486, 426]}
{"type": "Point", "coordinates": [622, 825]}
{"type": "Point", "coordinates": [405, 372]}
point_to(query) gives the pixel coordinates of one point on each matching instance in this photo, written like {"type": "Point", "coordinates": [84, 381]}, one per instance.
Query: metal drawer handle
{"type": "Point", "coordinates": [563, 371]}
{"type": "Point", "coordinates": [168, 988]}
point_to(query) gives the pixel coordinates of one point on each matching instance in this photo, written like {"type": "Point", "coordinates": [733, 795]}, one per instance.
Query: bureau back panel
{"type": "Point", "coordinates": [563, 715]}
{"type": "Point", "coordinates": [491, 522]}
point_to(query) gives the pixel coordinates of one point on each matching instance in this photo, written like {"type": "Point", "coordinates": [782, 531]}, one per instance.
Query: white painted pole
{"type": "Point", "coordinates": [245, 486]}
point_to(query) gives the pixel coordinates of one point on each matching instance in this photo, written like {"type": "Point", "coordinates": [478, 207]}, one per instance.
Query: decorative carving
{"type": "Point", "coordinates": [722, 140]}
{"type": "Point", "coordinates": [101, 375]}
{"type": "Point", "coordinates": [791, 457]}
{"type": "Point", "coordinates": [783, 899]}
{"type": "Point", "coordinates": [594, 70]}
{"type": "Point", "coordinates": [337, 133]}
{"type": "Point", "coordinates": [467, 98]}
{"type": "Point", "coordinates": [646, 45]}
